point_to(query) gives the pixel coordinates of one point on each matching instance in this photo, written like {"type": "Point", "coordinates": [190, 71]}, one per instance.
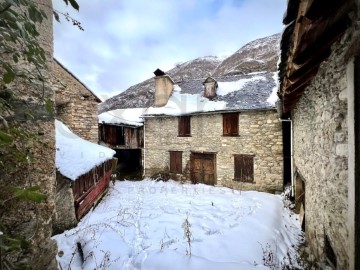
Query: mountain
{"type": "Point", "coordinates": [141, 95]}
{"type": "Point", "coordinates": [258, 55]}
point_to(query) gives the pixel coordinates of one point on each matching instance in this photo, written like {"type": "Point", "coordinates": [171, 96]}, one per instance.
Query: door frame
{"type": "Point", "coordinates": [213, 154]}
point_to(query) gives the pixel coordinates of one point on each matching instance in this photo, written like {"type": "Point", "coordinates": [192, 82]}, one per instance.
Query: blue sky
{"type": "Point", "coordinates": [125, 41]}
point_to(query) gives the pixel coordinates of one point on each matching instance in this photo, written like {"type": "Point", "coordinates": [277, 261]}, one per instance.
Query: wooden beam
{"type": "Point", "coordinates": [315, 43]}
{"type": "Point", "coordinates": [291, 11]}
{"type": "Point", "coordinates": [318, 9]}
{"type": "Point", "coordinates": [306, 68]}
{"type": "Point", "coordinates": [293, 87]}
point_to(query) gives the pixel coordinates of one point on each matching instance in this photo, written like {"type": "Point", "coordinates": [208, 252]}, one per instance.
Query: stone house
{"type": "Point", "coordinates": [319, 91]}
{"type": "Point", "coordinates": [122, 130]}
{"type": "Point", "coordinates": [221, 131]}
{"type": "Point", "coordinates": [76, 104]}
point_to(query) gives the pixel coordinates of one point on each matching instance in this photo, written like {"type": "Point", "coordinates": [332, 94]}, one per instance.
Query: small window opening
{"type": "Point", "coordinates": [184, 126]}
{"type": "Point", "coordinates": [231, 124]}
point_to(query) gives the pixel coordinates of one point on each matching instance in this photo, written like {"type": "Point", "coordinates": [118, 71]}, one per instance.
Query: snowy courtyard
{"type": "Point", "coordinates": [168, 225]}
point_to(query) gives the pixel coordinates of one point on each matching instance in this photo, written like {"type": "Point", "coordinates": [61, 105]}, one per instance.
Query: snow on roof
{"type": "Point", "coordinates": [274, 97]}
{"type": "Point", "coordinates": [76, 156]}
{"type": "Point", "coordinates": [234, 93]}
{"type": "Point", "coordinates": [181, 104]}
{"type": "Point", "coordinates": [225, 88]}
{"type": "Point", "coordinates": [123, 116]}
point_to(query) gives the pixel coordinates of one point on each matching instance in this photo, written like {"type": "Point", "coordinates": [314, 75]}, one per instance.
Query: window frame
{"type": "Point", "coordinates": [231, 124]}
{"type": "Point", "coordinates": [184, 126]}
{"type": "Point", "coordinates": [240, 177]}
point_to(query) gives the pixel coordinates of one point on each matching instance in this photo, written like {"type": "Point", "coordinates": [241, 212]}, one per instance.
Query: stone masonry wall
{"type": "Point", "coordinates": [321, 153]}
{"type": "Point", "coordinates": [76, 106]}
{"type": "Point", "coordinates": [259, 134]}
{"type": "Point", "coordinates": [30, 220]}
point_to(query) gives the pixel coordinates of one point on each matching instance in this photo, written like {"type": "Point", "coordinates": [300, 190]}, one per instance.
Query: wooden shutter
{"type": "Point", "coordinates": [176, 162]}
{"type": "Point", "coordinates": [184, 126]}
{"type": "Point", "coordinates": [231, 124]}
{"type": "Point", "coordinates": [244, 168]}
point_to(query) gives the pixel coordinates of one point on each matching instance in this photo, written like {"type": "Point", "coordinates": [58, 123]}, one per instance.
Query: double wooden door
{"type": "Point", "coordinates": [203, 168]}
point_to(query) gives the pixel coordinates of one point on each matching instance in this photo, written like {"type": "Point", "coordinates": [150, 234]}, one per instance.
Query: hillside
{"type": "Point", "coordinates": [258, 55]}
{"type": "Point", "coordinates": [142, 95]}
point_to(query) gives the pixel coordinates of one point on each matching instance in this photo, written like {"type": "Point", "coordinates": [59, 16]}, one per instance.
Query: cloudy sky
{"type": "Point", "coordinates": [126, 40]}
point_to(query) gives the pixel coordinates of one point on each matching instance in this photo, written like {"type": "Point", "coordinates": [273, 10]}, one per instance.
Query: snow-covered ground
{"type": "Point", "coordinates": [140, 225]}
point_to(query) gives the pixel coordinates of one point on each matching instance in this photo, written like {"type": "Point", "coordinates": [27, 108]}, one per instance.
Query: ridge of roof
{"type": "Point", "coordinates": [76, 78]}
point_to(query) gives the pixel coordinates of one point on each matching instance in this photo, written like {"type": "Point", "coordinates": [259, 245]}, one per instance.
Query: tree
{"type": "Point", "coordinates": [22, 59]}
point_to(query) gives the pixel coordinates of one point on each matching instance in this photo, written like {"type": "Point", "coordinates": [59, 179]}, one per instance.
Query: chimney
{"type": "Point", "coordinates": [163, 88]}
{"type": "Point", "coordinates": [210, 86]}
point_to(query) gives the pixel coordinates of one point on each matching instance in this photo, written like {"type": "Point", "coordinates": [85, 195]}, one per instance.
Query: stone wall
{"type": "Point", "coordinates": [259, 135]}
{"type": "Point", "coordinates": [321, 153]}
{"type": "Point", "coordinates": [76, 106]}
{"type": "Point", "coordinates": [64, 216]}
{"type": "Point", "coordinates": [29, 220]}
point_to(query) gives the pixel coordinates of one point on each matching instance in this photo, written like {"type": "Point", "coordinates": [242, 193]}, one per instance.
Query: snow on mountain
{"type": "Point", "coordinates": [256, 56]}
{"type": "Point", "coordinates": [142, 95]}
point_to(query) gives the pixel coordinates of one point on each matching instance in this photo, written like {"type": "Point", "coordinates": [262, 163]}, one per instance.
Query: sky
{"type": "Point", "coordinates": [125, 41]}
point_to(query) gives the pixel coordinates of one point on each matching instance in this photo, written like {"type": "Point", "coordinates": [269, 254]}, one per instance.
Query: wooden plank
{"type": "Point", "coordinates": [248, 172]}
{"type": "Point", "coordinates": [184, 128]}
{"type": "Point", "coordinates": [308, 68]}
{"type": "Point", "coordinates": [244, 168]}
{"type": "Point", "coordinates": [318, 9]}
{"type": "Point", "coordinates": [83, 206]}
{"type": "Point", "coordinates": [231, 124]}
{"type": "Point", "coordinates": [318, 39]}
{"type": "Point", "coordinates": [208, 169]}
{"type": "Point", "coordinates": [176, 162]}
{"type": "Point", "coordinates": [203, 168]}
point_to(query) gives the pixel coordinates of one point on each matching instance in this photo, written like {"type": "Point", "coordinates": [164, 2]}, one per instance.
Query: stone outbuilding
{"type": "Point", "coordinates": [76, 104]}
{"type": "Point", "coordinates": [320, 85]}
{"type": "Point", "coordinates": [217, 131]}
{"type": "Point", "coordinates": [123, 131]}
{"type": "Point", "coordinates": [84, 170]}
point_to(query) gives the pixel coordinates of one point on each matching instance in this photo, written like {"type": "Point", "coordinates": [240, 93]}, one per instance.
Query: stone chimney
{"type": "Point", "coordinates": [210, 86]}
{"type": "Point", "coordinates": [163, 88]}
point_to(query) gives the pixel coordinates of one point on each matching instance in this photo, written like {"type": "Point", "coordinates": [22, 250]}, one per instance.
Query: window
{"type": "Point", "coordinates": [176, 162]}
{"type": "Point", "coordinates": [244, 168]}
{"type": "Point", "coordinates": [231, 124]}
{"type": "Point", "coordinates": [184, 126]}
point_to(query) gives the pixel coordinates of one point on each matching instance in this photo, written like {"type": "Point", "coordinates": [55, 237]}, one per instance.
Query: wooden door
{"type": "Point", "coordinates": [203, 168]}
{"type": "Point", "coordinates": [176, 162]}
{"type": "Point", "coordinates": [244, 168]}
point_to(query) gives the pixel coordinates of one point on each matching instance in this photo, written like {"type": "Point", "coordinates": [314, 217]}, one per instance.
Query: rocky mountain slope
{"type": "Point", "coordinates": [258, 55]}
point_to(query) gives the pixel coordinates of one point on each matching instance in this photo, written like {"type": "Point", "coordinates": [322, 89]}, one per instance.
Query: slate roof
{"type": "Point", "coordinates": [234, 93]}
{"type": "Point", "coordinates": [252, 96]}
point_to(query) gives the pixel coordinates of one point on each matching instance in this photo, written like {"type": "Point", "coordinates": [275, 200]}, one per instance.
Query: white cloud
{"type": "Point", "coordinates": [125, 41]}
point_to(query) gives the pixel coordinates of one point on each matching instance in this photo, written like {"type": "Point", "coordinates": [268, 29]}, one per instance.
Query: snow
{"type": "Point", "coordinates": [139, 225]}
{"type": "Point", "coordinates": [273, 96]}
{"type": "Point", "coordinates": [180, 104]}
{"type": "Point", "coordinates": [225, 88]}
{"type": "Point", "coordinates": [76, 156]}
{"type": "Point", "coordinates": [123, 116]}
